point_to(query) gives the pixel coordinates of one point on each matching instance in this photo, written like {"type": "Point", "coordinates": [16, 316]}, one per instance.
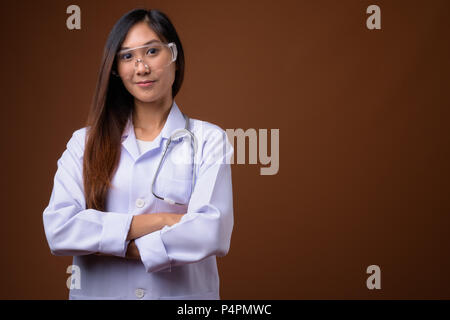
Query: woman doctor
{"type": "Point", "coordinates": [142, 196]}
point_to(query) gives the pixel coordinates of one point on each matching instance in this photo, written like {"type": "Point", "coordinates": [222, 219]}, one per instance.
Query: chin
{"type": "Point", "coordinates": [145, 95]}
{"type": "Point", "coordinates": [146, 98]}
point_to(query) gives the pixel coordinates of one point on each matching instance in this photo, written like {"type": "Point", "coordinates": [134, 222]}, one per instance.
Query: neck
{"type": "Point", "coordinates": [151, 116]}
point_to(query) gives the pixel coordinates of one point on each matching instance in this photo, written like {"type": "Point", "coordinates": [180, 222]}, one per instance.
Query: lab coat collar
{"type": "Point", "coordinates": [175, 120]}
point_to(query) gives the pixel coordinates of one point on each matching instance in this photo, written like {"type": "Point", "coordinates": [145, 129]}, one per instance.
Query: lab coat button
{"type": "Point", "coordinates": [140, 293]}
{"type": "Point", "coordinates": [140, 203]}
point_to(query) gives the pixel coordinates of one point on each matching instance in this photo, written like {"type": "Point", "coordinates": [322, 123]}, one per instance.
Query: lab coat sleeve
{"type": "Point", "coordinates": [70, 228]}
{"type": "Point", "coordinates": [206, 228]}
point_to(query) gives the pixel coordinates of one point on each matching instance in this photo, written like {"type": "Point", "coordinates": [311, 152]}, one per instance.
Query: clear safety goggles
{"type": "Point", "coordinates": [154, 56]}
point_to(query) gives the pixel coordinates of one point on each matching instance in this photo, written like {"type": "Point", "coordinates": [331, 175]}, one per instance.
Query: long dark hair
{"type": "Point", "coordinates": [112, 105]}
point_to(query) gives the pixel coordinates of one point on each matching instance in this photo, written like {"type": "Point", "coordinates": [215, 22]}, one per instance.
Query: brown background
{"type": "Point", "coordinates": [364, 141]}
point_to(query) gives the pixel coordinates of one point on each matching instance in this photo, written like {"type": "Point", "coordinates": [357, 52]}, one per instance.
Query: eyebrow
{"type": "Point", "coordinates": [151, 41]}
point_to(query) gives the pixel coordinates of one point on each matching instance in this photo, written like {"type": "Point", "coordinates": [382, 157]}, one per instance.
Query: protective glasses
{"type": "Point", "coordinates": [154, 56]}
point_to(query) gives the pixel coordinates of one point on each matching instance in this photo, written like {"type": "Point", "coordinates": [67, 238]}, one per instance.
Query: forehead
{"type": "Point", "coordinates": [138, 35]}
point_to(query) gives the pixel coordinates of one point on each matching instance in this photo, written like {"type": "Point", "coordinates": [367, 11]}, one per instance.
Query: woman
{"type": "Point", "coordinates": [143, 218]}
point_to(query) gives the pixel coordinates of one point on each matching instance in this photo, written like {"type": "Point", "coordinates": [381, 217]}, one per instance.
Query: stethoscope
{"type": "Point", "coordinates": [174, 136]}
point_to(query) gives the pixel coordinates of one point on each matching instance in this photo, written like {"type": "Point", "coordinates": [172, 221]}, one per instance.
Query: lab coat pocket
{"type": "Point", "coordinates": [178, 190]}
{"type": "Point", "coordinates": [85, 297]}
{"type": "Point", "coordinates": [212, 295]}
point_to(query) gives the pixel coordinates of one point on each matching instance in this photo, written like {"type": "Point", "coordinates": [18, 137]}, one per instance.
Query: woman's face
{"type": "Point", "coordinates": [130, 74]}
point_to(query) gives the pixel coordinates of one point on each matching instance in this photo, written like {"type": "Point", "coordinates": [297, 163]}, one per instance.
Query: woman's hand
{"type": "Point", "coordinates": [167, 219]}
{"type": "Point", "coordinates": [143, 224]}
{"type": "Point", "coordinates": [103, 254]}
{"type": "Point", "coordinates": [171, 218]}
{"type": "Point", "coordinates": [132, 251]}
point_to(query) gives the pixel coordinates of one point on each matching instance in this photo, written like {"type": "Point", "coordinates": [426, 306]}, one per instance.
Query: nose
{"type": "Point", "coordinates": [141, 67]}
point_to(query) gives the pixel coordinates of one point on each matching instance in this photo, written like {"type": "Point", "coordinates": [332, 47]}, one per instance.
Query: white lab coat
{"type": "Point", "coordinates": [178, 261]}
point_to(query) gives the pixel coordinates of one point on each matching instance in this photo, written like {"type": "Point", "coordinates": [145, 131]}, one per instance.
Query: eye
{"type": "Point", "coordinates": [152, 51]}
{"type": "Point", "coordinates": [125, 56]}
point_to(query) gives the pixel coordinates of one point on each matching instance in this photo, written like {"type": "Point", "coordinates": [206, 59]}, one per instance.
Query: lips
{"type": "Point", "coordinates": [146, 83]}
